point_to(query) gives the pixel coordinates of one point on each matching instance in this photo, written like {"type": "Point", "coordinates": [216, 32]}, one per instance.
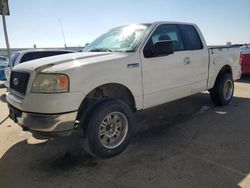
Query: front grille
{"type": "Point", "coordinates": [19, 81]}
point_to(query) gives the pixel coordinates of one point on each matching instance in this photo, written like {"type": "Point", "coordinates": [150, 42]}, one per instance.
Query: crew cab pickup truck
{"type": "Point", "coordinates": [129, 68]}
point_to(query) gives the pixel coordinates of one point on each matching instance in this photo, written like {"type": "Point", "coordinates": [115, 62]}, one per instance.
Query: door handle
{"type": "Point", "coordinates": [187, 61]}
{"type": "Point", "coordinates": [132, 65]}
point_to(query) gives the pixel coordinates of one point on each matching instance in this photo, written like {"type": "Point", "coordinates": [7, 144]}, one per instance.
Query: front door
{"type": "Point", "coordinates": [169, 77]}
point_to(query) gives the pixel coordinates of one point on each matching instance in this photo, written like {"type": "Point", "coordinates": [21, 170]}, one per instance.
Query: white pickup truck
{"type": "Point", "coordinates": [130, 68]}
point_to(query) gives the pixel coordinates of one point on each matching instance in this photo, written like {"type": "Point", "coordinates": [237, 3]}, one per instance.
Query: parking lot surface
{"type": "Point", "coordinates": [185, 143]}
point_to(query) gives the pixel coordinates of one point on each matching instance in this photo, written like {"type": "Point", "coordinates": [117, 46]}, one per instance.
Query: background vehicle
{"type": "Point", "coordinates": [245, 59]}
{"type": "Point", "coordinates": [129, 68]}
{"type": "Point", "coordinates": [3, 63]}
{"type": "Point", "coordinates": [28, 55]}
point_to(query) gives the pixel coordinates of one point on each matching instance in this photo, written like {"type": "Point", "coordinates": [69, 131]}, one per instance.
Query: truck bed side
{"type": "Point", "coordinates": [221, 57]}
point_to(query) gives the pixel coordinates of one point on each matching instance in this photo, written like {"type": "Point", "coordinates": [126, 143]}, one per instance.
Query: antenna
{"type": "Point", "coordinates": [62, 32]}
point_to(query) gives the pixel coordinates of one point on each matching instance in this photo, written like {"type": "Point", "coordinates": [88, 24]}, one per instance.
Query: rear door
{"type": "Point", "coordinates": [198, 57]}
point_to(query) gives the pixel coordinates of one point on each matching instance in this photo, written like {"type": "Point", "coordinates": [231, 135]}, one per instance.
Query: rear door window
{"type": "Point", "coordinates": [191, 37]}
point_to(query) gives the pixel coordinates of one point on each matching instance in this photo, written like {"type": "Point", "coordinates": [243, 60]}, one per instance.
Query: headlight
{"type": "Point", "coordinates": [50, 83]}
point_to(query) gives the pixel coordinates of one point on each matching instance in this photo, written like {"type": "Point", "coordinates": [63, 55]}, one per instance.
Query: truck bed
{"type": "Point", "coordinates": [221, 56]}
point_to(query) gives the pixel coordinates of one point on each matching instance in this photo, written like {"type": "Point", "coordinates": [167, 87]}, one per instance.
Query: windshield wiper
{"type": "Point", "coordinates": [100, 50]}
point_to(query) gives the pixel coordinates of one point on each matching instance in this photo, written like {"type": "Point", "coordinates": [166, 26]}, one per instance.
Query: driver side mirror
{"type": "Point", "coordinates": [160, 48]}
{"type": "Point", "coordinates": [164, 47]}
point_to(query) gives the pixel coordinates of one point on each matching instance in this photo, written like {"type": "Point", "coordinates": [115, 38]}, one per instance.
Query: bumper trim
{"type": "Point", "coordinates": [48, 135]}
{"type": "Point", "coordinates": [47, 123]}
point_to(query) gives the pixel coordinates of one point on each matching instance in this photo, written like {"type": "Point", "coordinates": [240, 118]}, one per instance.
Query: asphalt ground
{"type": "Point", "coordinates": [185, 143]}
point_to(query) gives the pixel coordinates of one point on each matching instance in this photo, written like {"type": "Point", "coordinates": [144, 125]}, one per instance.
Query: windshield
{"type": "Point", "coordinates": [13, 58]}
{"type": "Point", "coordinates": [121, 39]}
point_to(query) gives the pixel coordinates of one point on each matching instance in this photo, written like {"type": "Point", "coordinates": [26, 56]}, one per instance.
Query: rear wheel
{"type": "Point", "coordinates": [108, 129]}
{"type": "Point", "coordinates": [222, 92]}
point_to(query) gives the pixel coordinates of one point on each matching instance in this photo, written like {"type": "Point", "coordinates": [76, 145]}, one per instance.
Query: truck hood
{"type": "Point", "coordinates": [66, 61]}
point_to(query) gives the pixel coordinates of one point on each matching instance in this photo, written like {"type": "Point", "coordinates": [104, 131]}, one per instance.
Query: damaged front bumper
{"type": "Point", "coordinates": [48, 125]}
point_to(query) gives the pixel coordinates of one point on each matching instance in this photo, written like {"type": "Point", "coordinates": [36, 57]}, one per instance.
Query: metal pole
{"type": "Point", "coordinates": [6, 34]}
{"type": "Point", "coordinates": [62, 33]}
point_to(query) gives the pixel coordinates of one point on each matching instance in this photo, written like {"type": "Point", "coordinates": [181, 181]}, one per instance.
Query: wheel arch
{"type": "Point", "coordinates": [225, 69]}
{"type": "Point", "coordinates": [105, 92]}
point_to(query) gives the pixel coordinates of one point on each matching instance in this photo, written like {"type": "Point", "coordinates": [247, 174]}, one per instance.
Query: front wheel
{"type": "Point", "coordinates": [223, 90]}
{"type": "Point", "coordinates": [109, 129]}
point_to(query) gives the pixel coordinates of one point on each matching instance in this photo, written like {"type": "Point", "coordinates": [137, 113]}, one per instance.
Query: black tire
{"type": "Point", "coordinates": [218, 96]}
{"type": "Point", "coordinates": [92, 141]}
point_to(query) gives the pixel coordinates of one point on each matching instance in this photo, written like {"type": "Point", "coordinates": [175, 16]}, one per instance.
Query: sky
{"type": "Point", "coordinates": [36, 21]}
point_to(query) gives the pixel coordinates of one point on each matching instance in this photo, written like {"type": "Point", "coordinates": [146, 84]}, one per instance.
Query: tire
{"type": "Point", "coordinates": [222, 92]}
{"type": "Point", "coordinates": [108, 129]}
